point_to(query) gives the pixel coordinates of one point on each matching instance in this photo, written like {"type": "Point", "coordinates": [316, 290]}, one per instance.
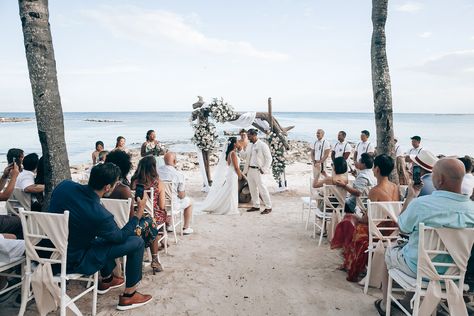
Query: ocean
{"type": "Point", "coordinates": [441, 133]}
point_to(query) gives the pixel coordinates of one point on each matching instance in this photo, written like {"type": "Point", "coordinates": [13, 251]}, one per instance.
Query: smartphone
{"type": "Point", "coordinates": [139, 191]}
{"type": "Point", "coordinates": [416, 175]}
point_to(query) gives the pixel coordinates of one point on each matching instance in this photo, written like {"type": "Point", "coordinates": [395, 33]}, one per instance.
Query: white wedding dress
{"type": "Point", "coordinates": [223, 196]}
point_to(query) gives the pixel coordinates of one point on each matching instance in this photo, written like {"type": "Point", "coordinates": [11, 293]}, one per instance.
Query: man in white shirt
{"type": "Point", "coordinates": [258, 162]}
{"type": "Point", "coordinates": [168, 172]}
{"type": "Point", "coordinates": [415, 150]}
{"type": "Point", "coordinates": [364, 146]}
{"type": "Point", "coordinates": [341, 148]}
{"type": "Point", "coordinates": [467, 187]}
{"type": "Point", "coordinates": [26, 178]}
{"type": "Point", "coordinates": [319, 153]}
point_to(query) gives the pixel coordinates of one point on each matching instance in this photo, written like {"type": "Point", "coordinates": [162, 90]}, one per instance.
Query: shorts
{"type": "Point", "coordinates": [181, 204]}
{"type": "Point", "coordinates": [395, 259]}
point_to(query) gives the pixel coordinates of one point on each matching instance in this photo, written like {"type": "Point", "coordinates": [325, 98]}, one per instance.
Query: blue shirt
{"type": "Point", "coordinates": [428, 186]}
{"type": "Point", "coordinates": [440, 209]}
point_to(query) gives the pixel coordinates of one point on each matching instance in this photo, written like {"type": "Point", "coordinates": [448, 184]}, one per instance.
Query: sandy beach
{"type": "Point", "coordinates": [247, 264]}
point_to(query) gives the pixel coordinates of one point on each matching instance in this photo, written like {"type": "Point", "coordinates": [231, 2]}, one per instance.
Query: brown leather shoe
{"type": "Point", "coordinates": [137, 300]}
{"type": "Point", "coordinates": [104, 287]}
{"type": "Point", "coordinates": [266, 211]}
{"type": "Point", "coordinates": [254, 209]}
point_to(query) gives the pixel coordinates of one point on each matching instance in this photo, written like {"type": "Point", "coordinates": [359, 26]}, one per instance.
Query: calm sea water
{"type": "Point", "coordinates": [446, 134]}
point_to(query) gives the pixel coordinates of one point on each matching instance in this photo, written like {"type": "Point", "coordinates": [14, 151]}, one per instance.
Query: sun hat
{"type": "Point", "coordinates": [425, 159]}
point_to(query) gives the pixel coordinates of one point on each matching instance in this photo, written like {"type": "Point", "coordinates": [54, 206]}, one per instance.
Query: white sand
{"type": "Point", "coordinates": [248, 264]}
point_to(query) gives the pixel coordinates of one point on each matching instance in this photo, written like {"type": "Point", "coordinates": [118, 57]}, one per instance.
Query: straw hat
{"type": "Point", "coordinates": [425, 159]}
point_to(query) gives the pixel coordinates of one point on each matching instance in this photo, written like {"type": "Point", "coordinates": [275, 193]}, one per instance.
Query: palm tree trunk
{"type": "Point", "coordinates": [44, 85]}
{"type": "Point", "coordinates": [381, 85]}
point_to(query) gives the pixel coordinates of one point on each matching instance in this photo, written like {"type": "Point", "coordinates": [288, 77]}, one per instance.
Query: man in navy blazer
{"type": "Point", "coordinates": [95, 240]}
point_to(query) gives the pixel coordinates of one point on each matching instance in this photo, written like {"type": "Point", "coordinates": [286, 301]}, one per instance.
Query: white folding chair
{"type": "Point", "coordinates": [333, 209]}
{"type": "Point", "coordinates": [438, 248]}
{"type": "Point", "coordinates": [5, 266]}
{"type": "Point", "coordinates": [53, 227]}
{"type": "Point", "coordinates": [380, 237]}
{"type": "Point", "coordinates": [18, 199]}
{"type": "Point", "coordinates": [310, 202]}
{"type": "Point", "coordinates": [176, 215]}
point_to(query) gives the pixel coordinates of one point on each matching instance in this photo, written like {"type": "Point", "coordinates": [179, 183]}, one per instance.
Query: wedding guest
{"type": "Point", "coordinates": [99, 146]}
{"type": "Point", "coordinates": [9, 224]}
{"type": "Point", "coordinates": [468, 181]}
{"type": "Point", "coordinates": [102, 156]}
{"type": "Point", "coordinates": [341, 148]}
{"type": "Point", "coordinates": [425, 160]}
{"type": "Point", "coordinates": [364, 146]}
{"type": "Point", "coordinates": [15, 155]}
{"type": "Point", "coordinates": [445, 207]}
{"type": "Point", "coordinates": [95, 241]}
{"type": "Point", "coordinates": [243, 141]}
{"type": "Point", "coordinates": [26, 179]}
{"type": "Point", "coordinates": [403, 176]}
{"type": "Point", "coordinates": [364, 181]}
{"type": "Point", "coordinates": [120, 144]}
{"type": "Point", "coordinates": [319, 153]}
{"type": "Point", "coordinates": [147, 225]}
{"type": "Point", "coordinates": [339, 174]}
{"type": "Point", "coordinates": [415, 150]}
{"type": "Point", "coordinates": [168, 172]}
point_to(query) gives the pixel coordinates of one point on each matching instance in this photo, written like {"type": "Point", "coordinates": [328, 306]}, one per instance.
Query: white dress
{"type": "Point", "coordinates": [223, 196]}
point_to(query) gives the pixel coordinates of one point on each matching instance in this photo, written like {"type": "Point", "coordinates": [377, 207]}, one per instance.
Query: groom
{"type": "Point", "coordinates": [258, 160]}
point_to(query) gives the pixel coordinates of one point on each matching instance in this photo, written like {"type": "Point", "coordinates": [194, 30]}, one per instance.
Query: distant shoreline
{"type": "Point", "coordinates": [15, 119]}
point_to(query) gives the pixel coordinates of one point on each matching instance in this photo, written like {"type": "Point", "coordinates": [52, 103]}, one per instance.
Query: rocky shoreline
{"type": "Point", "coordinates": [14, 119]}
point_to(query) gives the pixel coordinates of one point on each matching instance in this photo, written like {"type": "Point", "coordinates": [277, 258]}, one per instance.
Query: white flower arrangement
{"type": "Point", "coordinates": [277, 149]}
{"type": "Point", "coordinates": [205, 135]}
{"type": "Point", "coordinates": [221, 111]}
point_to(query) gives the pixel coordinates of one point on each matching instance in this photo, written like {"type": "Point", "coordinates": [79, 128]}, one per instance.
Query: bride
{"type": "Point", "coordinates": [223, 196]}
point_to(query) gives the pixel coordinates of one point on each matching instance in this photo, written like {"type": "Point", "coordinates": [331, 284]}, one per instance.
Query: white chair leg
{"type": "Point", "coordinates": [124, 266]}
{"type": "Point", "coordinates": [25, 287]}
{"type": "Point", "coordinates": [323, 228]}
{"type": "Point", "coordinates": [314, 226]}
{"type": "Point", "coordinates": [94, 291]}
{"type": "Point", "coordinates": [63, 297]}
{"type": "Point", "coordinates": [367, 277]}
{"type": "Point", "coordinates": [388, 305]}
{"type": "Point", "coordinates": [416, 306]}
{"type": "Point", "coordinates": [307, 218]}
{"type": "Point", "coordinates": [166, 241]}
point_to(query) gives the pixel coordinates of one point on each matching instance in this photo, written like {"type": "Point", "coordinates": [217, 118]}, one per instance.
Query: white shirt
{"type": "Point", "coordinates": [319, 147]}
{"type": "Point", "coordinates": [365, 147]}
{"type": "Point", "coordinates": [259, 155]}
{"type": "Point", "coordinates": [24, 180]}
{"type": "Point", "coordinates": [169, 173]}
{"type": "Point", "coordinates": [467, 184]}
{"type": "Point", "coordinates": [341, 148]}
{"type": "Point", "coordinates": [414, 151]}
{"type": "Point", "coordinates": [399, 151]}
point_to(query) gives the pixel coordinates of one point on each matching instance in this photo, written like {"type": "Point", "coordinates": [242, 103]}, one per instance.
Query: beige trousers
{"type": "Point", "coordinates": [258, 189]}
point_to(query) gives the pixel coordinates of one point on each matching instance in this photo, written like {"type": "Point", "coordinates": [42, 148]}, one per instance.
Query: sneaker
{"type": "Point", "coordinates": [137, 300]}
{"type": "Point", "coordinates": [104, 287]}
{"type": "Point", "coordinates": [188, 231]}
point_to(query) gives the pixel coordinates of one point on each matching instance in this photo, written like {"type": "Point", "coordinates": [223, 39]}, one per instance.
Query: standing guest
{"type": "Point", "coordinates": [364, 181]}
{"type": "Point", "coordinates": [364, 146]}
{"type": "Point", "coordinates": [168, 172]}
{"type": "Point", "coordinates": [319, 153]}
{"type": "Point", "coordinates": [341, 148]}
{"type": "Point", "coordinates": [339, 174]}
{"type": "Point", "coordinates": [243, 141]}
{"type": "Point", "coordinates": [95, 241]}
{"type": "Point", "coordinates": [26, 179]}
{"type": "Point", "coordinates": [426, 161]}
{"type": "Point", "coordinates": [398, 149]}
{"type": "Point", "coordinates": [468, 181]}
{"type": "Point", "coordinates": [99, 146]}
{"type": "Point", "coordinates": [415, 150]}
{"type": "Point", "coordinates": [151, 146]}
{"type": "Point", "coordinates": [120, 144]}
{"type": "Point", "coordinates": [147, 225]}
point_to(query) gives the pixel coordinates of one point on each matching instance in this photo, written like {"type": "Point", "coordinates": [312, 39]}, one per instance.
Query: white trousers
{"type": "Point", "coordinates": [257, 188]}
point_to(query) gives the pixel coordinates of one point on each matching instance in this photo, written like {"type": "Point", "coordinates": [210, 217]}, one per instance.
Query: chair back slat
{"type": "Point", "coordinates": [150, 201]}
{"type": "Point", "coordinates": [379, 213]}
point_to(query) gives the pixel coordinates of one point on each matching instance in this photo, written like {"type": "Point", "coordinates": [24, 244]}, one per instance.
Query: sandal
{"type": "Point", "coordinates": [155, 264]}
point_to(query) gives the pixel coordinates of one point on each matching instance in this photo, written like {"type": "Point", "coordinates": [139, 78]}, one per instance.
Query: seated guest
{"type": "Point", "coordinates": [168, 172]}
{"type": "Point", "coordinates": [468, 181]}
{"type": "Point", "coordinates": [95, 241]}
{"type": "Point", "coordinates": [10, 249]}
{"type": "Point", "coordinates": [339, 174]}
{"type": "Point", "coordinates": [26, 179]}
{"type": "Point", "coordinates": [147, 225]}
{"type": "Point", "coordinates": [120, 144]}
{"type": "Point", "coordinates": [9, 224]}
{"type": "Point", "coordinates": [15, 155]}
{"type": "Point", "coordinates": [102, 156]}
{"type": "Point", "coordinates": [445, 207]}
{"type": "Point", "coordinates": [364, 181]}
{"type": "Point", "coordinates": [425, 160]}
{"type": "Point", "coordinates": [99, 146]}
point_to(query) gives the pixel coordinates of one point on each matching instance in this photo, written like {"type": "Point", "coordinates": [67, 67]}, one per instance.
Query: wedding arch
{"type": "Point", "coordinates": [204, 117]}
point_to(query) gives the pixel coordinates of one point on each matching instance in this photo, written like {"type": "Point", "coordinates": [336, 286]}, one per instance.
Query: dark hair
{"type": "Point", "coordinates": [243, 130]}
{"type": "Point", "coordinates": [252, 131]}
{"type": "Point", "coordinates": [103, 174]}
{"type": "Point", "coordinates": [118, 140]}
{"type": "Point", "coordinates": [417, 138]}
{"type": "Point", "coordinates": [367, 160]}
{"type": "Point", "coordinates": [148, 134]}
{"type": "Point", "coordinates": [230, 146]}
{"type": "Point", "coordinates": [30, 162]}
{"type": "Point", "coordinates": [40, 172]}
{"type": "Point", "coordinates": [146, 171]}
{"type": "Point", "coordinates": [467, 161]}
{"type": "Point", "coordinates": [343, 133]}
{"type": "Point", "coordinates": [385, 164]}
{"type": "Point", "coordinates": [122, 160]}
{"type": "Point", "coordinates": [340, 165]}
{"type": "Point", "coordinates": [99, 142]}
{"type": "Point", "coordinates": [366, 132]}
{"type": "Point", "coordinates": [14, 153]}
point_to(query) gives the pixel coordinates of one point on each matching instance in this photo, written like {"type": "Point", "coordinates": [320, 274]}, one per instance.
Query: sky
{"type": "Point", "coordinates": [159, 55]}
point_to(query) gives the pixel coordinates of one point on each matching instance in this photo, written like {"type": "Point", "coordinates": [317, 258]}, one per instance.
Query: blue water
{"type": "Point", "coordinates": [446, 134]}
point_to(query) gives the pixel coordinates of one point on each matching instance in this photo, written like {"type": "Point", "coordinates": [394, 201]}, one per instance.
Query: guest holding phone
{"type": "Point", "coordinates": [422, 170]}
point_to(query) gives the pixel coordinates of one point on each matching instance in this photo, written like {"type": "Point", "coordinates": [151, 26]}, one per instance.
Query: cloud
{"type": "Point", "coordinates": [151, 27]}
{"type": "Point", "coordinates": [106, 70]}
{"type": "Point", "coordinates": [454, 64]}
{"type": "Point", "coordinates": [410, 7]}
{"type": "Point", "coordinates": [425, 34]}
